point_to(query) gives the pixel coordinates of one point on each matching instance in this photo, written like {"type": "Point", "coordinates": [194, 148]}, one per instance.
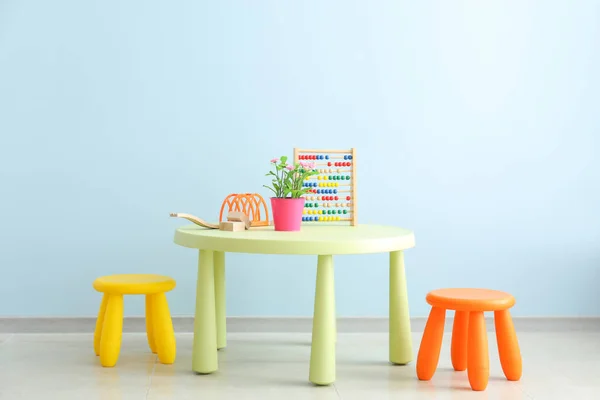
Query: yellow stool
{"type": "Point", "coordinates": [109, 325]}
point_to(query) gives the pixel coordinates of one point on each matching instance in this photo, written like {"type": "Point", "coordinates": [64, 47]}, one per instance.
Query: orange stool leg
{"type": "Point", "coordinates": [460, 336]}
{"type": "Point", "coordinates": [150, 323]}
{"type": "Point", "coordinates": [99, 323]}
{"type": "Point", "coordinates": [429, 351]}
{"type": "Point", "coordinates": [508, 346]}
{"type": "Point", "coordinates": [478, 363]}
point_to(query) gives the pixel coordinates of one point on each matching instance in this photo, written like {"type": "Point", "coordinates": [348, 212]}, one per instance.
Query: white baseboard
{"type": "Point", "coordinates": [285, 324]}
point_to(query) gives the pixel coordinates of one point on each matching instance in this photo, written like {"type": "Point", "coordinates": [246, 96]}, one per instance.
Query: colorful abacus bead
{"type": "Point", "coordinates": [348, 198]}
{"type": "Point", "coordinates": [327, 157]}
{"type": "Point", "coordinates": [345, 211]}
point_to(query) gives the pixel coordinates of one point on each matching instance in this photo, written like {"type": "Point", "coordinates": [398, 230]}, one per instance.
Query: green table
{"type": "Point", "coordinates": [323, 241]}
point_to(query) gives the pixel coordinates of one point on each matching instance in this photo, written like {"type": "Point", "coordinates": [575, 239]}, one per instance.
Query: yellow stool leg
{"type": "Point", "coordinates": [99, 323]}
{"type": "Point", "coordinates": [150, 323]}
{"type": "Point", "coordinates": [112, 330]}
{"type": "Point", "coordinates": [164, 335]}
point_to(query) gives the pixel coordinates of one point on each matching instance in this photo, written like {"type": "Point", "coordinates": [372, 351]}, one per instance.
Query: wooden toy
{"type": "Point", "coordinates": [239, 217]}
{"type": "Point", "coordinates": [251, 204]}
{"type": "Point", "coordinates": [195, 220]}
{"type": "Point", "coordinates": [333, 194]}
{"type": "Point", "coordinates": [232, 226]}
{"type": "Point", "coordinates": [235, 221]}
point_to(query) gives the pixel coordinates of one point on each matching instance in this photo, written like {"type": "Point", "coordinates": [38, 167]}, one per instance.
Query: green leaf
{"type": "Point", "coordinates": [283, 159]}
{"type": "Point", "coordinates": [271, 189]}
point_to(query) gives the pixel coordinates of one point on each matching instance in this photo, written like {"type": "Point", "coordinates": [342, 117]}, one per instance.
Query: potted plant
{"type": "Point", "coordinates": [287, 185]}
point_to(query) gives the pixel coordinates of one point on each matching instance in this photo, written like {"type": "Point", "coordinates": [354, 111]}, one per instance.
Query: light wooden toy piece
{"type": "Point", "coordinates": [232, 226]}
{"type": "Point", "coordinates": [333, 198]}
{"type": "Point", "coordinates": [195, 220]}
{"type": "Point", "coordinates": [239, 216]}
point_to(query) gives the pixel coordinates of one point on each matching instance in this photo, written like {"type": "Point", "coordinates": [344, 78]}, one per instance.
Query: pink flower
{"type": "Point", "coordinates": [289, 167]}
{"type": "Point", "coordinates": [307, 165]}
{"type": "Point", "coordinates": [274, 161]}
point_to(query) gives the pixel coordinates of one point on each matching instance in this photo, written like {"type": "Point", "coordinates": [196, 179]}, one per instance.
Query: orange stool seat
{"type": "Point", "coordinates": [469, 337]}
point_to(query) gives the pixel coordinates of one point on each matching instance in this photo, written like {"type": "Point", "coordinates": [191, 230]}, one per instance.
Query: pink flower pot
{"type": "Point", "coordinates": [287, 213]}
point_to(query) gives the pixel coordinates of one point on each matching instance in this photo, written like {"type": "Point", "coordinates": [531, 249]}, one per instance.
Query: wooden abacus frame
{"type": "Point", "coordinates": [335, 155]}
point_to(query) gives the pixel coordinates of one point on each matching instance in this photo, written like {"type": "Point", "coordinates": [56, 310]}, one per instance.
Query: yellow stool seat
{"type": "Point", "coordinates": [134, 284]}
{"type": "Point", "coordinates": [109, 325]}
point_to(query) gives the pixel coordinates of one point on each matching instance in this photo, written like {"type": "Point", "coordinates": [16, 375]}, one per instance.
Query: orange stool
{"type": "Point", "coordinates": [469, 337]}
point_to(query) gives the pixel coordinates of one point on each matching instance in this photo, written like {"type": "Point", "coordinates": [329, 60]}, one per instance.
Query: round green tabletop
{"type": "Point", "coordinates": [325, 240]}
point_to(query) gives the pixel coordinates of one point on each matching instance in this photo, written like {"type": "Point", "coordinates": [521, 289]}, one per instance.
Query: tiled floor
{"type": "Point", "coordinates": [275, 366]}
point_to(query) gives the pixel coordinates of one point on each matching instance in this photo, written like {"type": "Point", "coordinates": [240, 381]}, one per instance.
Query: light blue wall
{"type": "Point", "coordinates": [477, 125]}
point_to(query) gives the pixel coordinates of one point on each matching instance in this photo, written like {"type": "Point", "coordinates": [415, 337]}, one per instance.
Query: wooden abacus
{"type": "Point", "coordinates": [333, 194]}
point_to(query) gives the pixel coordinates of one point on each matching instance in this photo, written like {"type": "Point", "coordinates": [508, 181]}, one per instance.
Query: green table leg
{"type": "Point", "coordinates": [204, 353]}
{"type": "Point", "coordinates": [334, 309]}
{"type": "Point", "coordinates": [400, 337]}
{"type": "Point", "coordinates": [219, 259]}
{"type": "Point", "coordinates": [322, 354]}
